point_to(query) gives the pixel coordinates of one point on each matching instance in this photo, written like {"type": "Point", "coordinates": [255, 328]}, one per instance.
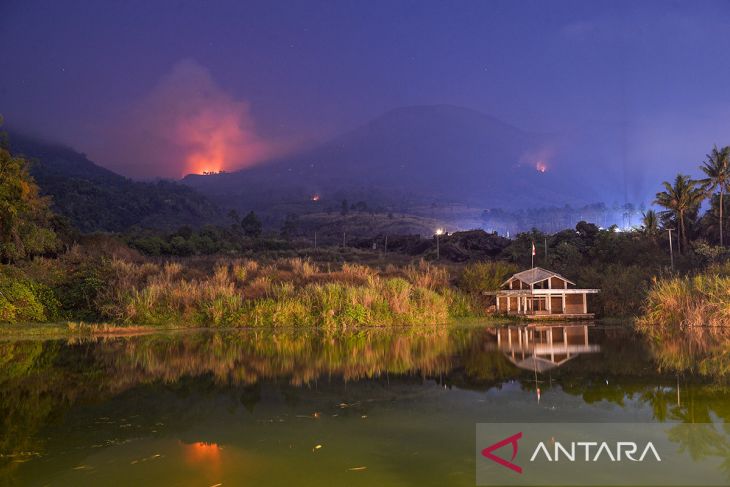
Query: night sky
{"type": "Point", "coordinates": [139, 85]}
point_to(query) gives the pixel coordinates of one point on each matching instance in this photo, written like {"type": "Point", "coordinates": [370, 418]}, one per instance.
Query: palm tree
{"type": "Point", "coordinates": [650, 223]}
{"type": "Point", "coordinates": [678, 199]}
{"type": "Point", "coordinates": [717, 169]}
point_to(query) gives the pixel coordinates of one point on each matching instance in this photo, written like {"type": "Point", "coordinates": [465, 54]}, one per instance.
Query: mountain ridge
{"type": "Point", "coordinates": [94, 198]}
{"type": "Point", "coordinates": [421, 153]}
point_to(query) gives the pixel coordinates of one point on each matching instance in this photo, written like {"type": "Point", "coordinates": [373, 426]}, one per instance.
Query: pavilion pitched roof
{"type": "Point", "coordinates": [535, 275]}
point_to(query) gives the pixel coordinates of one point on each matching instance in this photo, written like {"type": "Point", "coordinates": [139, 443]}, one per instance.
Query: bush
{"type": "Point", "coordinates": [623, 288]}
{"type": "Point", "coordinates": [486, 276]}
{"type": "Point", "coordinates": [23, 300]}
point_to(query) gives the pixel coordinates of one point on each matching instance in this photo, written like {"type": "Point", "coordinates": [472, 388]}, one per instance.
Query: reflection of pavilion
{"type": "Point", "coordinates": [543, 347]}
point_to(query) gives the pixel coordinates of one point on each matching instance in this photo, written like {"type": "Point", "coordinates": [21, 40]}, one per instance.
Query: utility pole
{"type": "Point", "coordinates": [439, 231]}
{"type": "Point", "coordinates": [545, 250]}
{"type": "Point", "coordinates": [671, 251]}
{"type": "Point", "coordinates": [315, 240]}
{"type": "Point", "coordinates": [344, 240]}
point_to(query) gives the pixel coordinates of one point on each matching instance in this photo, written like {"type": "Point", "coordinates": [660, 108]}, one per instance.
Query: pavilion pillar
{"type": "Point", "coordinates": [550, 343]}
{"type": "Point", "coordinates": [563, 298]}
{"type": "Point", "coordinates": [585, 303]}
{"type": "Point", "coordinates": [497, 298]}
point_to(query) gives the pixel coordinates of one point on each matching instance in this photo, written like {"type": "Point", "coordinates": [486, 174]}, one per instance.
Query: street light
{"type": "Point", "coordinates": [439, 232]}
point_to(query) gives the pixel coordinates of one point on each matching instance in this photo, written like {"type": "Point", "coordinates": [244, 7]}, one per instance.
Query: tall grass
{"type": "Point", "coordinates": [287, 292]}
{"type": "Point", "coordinates": [680, 302]}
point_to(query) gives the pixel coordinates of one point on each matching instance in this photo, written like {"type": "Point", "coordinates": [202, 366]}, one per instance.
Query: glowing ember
{"type": "Point", "coordinates": [315, 197]}
{"type": "Point", "coordinates": [541, 166]}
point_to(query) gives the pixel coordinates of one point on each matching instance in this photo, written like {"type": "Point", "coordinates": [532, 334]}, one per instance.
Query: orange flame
{"type": "Point", "coordinates": [541, 166]}
{"type": "Point", "coordinates": [202, 452]}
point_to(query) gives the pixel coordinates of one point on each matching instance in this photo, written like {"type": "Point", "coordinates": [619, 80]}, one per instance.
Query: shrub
{"type": "Point", "coordinates": [486, 276]}
{"type": "Point", "coordinates": [24, 300]}
{"type": "Point", "coordinates": [292, 291]}
{"type": "Point", "coordinates": [623, 288]}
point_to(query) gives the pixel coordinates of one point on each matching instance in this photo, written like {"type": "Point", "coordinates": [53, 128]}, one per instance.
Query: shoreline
{"type": "Point", "coordinates": [49, 331]}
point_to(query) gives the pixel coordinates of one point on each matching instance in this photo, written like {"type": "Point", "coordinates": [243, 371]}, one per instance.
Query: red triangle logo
{"type": "Point", "coordinates": [512, 440]}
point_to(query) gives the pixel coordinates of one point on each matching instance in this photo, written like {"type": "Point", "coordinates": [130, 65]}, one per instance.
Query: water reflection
{"type": "Point", "coordinates": [252, 403]}
{"type": "Point", "coordinates": [540, 348]}
{"type": "Point", "coordinates": [700, 350]}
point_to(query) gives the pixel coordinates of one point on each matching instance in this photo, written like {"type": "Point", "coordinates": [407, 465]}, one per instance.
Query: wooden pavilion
{"type": "Point", "coordinates": [540, 293]}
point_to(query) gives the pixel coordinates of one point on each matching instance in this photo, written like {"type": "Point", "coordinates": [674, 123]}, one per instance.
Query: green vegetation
{"type": "Point", "coordinates": [25, 219]}
{"type": "Point", "coordinates": [239, 275]}
{"type": "Point", "coordinates": [717, 170]}
{"type": "Point", "coordinates": [680, 198]}
{"type": "Point", "coordinates": [93, 285]}
{"type": "Point", "coordinates": [688, 301]}
{"type": "Point", "coordinates": [293, 292]}
{"type": "Point", "coordinates": [700, 297]}
{"type": "Point", "coordinates": [485, 276]}
{"type": "Point", "coordinates": [95, 199]}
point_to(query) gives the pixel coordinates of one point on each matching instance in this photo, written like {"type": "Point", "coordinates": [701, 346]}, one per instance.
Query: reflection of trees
{"type": "Point", "coordinates": [698, 350]}
{"type": "Point", "coordinates": [39, 380]}
{"type": "Point", "coordinates": [700, 440]}
{"type": "Point", "coordinates": [299, 357]}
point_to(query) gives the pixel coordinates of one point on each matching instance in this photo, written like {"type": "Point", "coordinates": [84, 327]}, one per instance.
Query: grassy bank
{"type": "Point", "coordinates": [131, 291]}
{"type": "Point", "coordinates": [292, 292]}
{"type": "Point", "coordinates": [71, 329]}
{"type": "Point", "coordinates": [689, 301]}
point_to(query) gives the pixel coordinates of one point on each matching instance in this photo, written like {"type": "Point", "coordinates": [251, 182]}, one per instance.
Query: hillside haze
{"type": "Point", "coordinates": [415, 155]}
{"type": "Point", "coordinates": [96, 199]}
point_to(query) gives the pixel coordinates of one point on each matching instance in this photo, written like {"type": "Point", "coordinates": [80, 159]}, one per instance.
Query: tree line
{"type": "Point", "coordinates": [682, 199]}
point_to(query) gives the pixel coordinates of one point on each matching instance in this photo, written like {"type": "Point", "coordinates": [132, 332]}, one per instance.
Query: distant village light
{"type": "Point", "coordinates": [315, 197]}
{"type": "Point", "coordinates": [541, 166]}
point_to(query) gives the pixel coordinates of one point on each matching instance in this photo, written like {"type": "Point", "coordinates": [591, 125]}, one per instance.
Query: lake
{"type": "Point", "coordinates": [376, 406]}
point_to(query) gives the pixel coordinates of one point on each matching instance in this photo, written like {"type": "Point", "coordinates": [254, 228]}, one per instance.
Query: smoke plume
{"type": "Point", "coordinates": [185, 124]}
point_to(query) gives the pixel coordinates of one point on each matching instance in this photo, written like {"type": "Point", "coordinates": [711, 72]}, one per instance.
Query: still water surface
{"type": "Point", "coordinates": [292, 407]}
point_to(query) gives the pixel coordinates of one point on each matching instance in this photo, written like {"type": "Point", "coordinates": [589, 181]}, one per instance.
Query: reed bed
{"type": "Point", "coordinates": [288, 292]}
{"type": "Point", "coordinates": [691, 301]}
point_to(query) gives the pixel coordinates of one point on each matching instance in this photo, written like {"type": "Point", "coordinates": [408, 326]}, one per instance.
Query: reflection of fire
{"type": "Point", "coordinates": [202, 452]}
{"type": "Point", "coordinates": [315, 197]}
{"type": "Point", "coordinates": [541, 166]}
